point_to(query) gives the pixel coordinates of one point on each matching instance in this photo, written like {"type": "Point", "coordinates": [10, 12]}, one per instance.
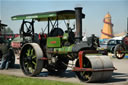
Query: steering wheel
{"type": "Point", "coordinates": [27, 29]}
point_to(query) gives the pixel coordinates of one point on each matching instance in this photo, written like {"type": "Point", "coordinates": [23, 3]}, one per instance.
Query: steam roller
{"type": "Point", "coordinates": [55, 47]}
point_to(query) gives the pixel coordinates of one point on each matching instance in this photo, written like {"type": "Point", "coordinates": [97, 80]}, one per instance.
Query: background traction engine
{"type": "Point", "coordinates": [56, 48]}
{"type": "Point", "coordinates": [121, 49]}
{"type": "Point", "coordinates": [5, 47]}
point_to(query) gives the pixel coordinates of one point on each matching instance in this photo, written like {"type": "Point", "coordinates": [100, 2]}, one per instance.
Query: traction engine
{"type": "Point", "coordinates": [56, 48]}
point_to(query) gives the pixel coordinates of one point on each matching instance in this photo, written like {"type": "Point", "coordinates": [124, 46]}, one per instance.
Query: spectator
{"type": "Point", "coordinates": [6, 59]}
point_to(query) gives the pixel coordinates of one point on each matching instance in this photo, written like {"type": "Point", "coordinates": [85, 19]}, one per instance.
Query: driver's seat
{"type": "Point", "coordinates": [56, 32]}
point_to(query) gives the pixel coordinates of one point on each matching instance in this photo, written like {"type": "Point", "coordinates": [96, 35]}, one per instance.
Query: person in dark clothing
{"type": "Point", "coordinates": [8, 57]}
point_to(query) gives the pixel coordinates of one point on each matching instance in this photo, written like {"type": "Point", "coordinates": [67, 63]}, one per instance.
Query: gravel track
{"type": "Point", "coordinates": [119, 77]}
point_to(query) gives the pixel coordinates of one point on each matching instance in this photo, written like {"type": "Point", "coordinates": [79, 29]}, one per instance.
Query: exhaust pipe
{"type": "Point", "coordinates": [78, 14]}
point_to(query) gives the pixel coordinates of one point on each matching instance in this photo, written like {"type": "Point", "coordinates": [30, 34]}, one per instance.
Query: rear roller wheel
{"type": "Point", "coordinates": [118, 51]}
{"type": "Point", "coordinates": [30, 61]}
{"type": "Point", "coordinates": [84, 75]}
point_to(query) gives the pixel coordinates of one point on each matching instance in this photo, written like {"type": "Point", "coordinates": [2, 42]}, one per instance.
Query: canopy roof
{"type": "Point", "coordinates": [2, 25]}
{"type": "Point", "coordinates": [63, 14]}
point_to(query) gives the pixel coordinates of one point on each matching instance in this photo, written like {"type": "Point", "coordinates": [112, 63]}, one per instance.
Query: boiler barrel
{"type": "Point", "coordinates": [99, 63]}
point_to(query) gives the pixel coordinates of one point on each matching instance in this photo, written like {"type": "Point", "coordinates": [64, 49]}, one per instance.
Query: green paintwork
{"type": "Point", "coordinates": [60, 15]}
{"type": "Point", "coordinates": [53, 42]}
{"type": "Point", "coordinates": [17, 39]}
{"type": "Point", "coordinates": [65, 37]}
{"type": "Point", "coordinates": [63, 50]}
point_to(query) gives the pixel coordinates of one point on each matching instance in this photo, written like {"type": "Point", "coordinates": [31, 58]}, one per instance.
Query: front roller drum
{"type": "Point", "coordinates": [95, 68]}
{"type": "Point", "coordinates": [30, 59]}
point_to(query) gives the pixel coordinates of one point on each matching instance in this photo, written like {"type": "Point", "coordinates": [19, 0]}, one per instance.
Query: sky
{"type": "Point", "coordinates": [95, 10]}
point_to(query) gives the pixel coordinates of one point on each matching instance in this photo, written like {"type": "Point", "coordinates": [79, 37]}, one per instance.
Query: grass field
{"type": "Point", "coordinates": [13, 80]}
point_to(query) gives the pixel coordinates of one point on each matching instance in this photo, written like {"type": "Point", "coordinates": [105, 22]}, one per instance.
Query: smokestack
{"type": "Point", "coordinates": [78, 14]}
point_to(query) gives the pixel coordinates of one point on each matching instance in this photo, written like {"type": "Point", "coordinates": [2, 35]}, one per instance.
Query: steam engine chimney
{"type": "Point", "coordinates": [78, 14]}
